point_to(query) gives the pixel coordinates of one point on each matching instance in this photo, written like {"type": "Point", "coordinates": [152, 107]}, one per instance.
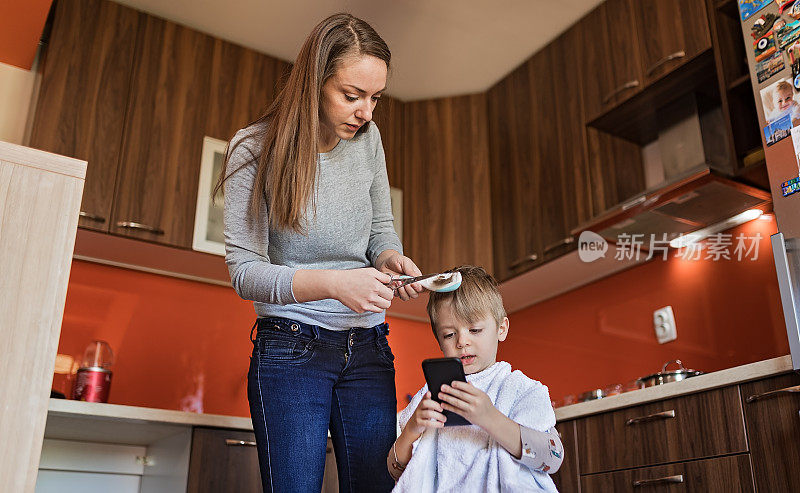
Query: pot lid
{"type": "Point", "coordinates": [680, 371]}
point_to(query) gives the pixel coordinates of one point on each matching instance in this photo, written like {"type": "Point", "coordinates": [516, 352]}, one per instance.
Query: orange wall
{"type": "Point", "coordinates": [21, 25]}
{"type": "Point", "coordinates": [182, 342]}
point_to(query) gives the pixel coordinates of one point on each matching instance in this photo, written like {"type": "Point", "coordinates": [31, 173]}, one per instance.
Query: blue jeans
{"type": "Point", "coordinates": [305, 380]}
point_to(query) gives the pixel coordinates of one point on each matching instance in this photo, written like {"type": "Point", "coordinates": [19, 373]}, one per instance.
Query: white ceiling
{"type": "Point", "coordinates": [439, 47]}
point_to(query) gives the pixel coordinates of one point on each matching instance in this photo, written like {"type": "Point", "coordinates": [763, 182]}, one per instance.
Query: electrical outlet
{"type": "Point", "coordinates": [664, 325]}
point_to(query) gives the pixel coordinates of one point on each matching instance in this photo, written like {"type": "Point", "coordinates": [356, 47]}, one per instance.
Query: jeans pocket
{"type": "Point", "coordinates": [384, 351]}
{"type": "Point", "coordinates": [283, 351]}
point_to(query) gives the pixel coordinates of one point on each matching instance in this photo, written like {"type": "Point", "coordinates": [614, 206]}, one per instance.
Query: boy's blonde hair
{"type": "Point", "coordinates": [784, 86]}
{"type": "Point", "coordinates": [476, 298]}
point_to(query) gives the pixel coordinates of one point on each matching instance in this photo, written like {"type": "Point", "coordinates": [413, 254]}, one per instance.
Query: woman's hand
{"type": "Point", "coordinates": [395, 264]}
{"type": "Point", "coordinates": [428, 414]}
{"type": "Point", "coordinates": [470, 402]}
{"type": "Point", "coordinates": [363, 290]}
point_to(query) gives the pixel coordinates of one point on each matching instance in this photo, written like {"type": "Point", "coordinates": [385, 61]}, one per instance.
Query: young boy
{"type": "Point", "coordinates": [511, 445]}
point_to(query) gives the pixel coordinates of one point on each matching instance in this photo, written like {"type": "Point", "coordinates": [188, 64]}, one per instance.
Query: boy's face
{"type": "Point", "coordinates": [475, 344]}
{"type": "Point", "coordinates": [783, 99]}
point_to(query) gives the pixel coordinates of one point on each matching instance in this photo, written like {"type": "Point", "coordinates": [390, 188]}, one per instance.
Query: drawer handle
{"type": "Point", "coordinates": [772, 393]}
{"type": "Point", "coordinates": [565, 241]}
{"type": "Point", "coordinates": [651, 417]}
{"type": "Point", "coordinates": [523, 260]}
{"type": "Point", "coordinates": [143, 227]}
{"type": "Point", "coordinates": [239, 443]}
{"type": "Point", "coordinates": [668, 58]}
{"type": "Point", "coordinates": [624, 87]}
{"type": "Point", "coordinates": [92, 217]}
{"type": "Point", "coordinates": [678, 478]}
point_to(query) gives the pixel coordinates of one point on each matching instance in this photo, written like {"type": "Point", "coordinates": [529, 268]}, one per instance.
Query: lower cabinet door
{"type": "Point", "coordinates": [720, 475]}
{"type": "Point", "coordinates": [772, 412]}
{"type": "Point", "coordinates": [223, 461]}
{"type": "Point", "coordinates": [566, 479]}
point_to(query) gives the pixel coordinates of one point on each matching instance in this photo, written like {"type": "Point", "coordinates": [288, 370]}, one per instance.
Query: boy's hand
{"type": "Point", "coordinates": [428, 414]}
{"type": "Point", "coordinates": [470, 402]}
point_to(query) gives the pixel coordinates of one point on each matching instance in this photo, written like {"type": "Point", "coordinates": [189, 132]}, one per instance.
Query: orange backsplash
{"type": "Point", "coordinates": [184, 345]}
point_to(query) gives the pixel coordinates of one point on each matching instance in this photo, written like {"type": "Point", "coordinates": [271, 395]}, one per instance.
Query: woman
{"type": "Point", "coordinates": [310, 239]}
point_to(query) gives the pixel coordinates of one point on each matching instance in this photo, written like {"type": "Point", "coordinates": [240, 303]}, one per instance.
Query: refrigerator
{"type": "Point", "coordinates": [772, 43]}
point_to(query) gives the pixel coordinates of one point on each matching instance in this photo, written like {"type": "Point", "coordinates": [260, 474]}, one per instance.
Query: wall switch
{"type": "Point", "coordinates": [664, 325]}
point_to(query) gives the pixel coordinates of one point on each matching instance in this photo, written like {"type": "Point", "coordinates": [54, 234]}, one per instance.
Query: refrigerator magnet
{"type": "Point", "coordinates": [787, 34]}
{"type": "Point", "coordinates": [778, 130]}
{"type": "Point", "coordinates": [764, 46]}
{"type": "Point", "coordinates": [749, 7]}
{"type": "Point", "coordinates": [768, 67]}
{"type": "Point", "coordinates": [794, 11]}
{"type": "Point", "coordinates": [783, 4]}
{"type": "Point", "coordinates": [763, 25]}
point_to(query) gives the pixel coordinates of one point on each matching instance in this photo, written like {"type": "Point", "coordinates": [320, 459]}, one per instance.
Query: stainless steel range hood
{"type": "Point", "coordinates": [694, 189]}
{"type": "Point", "coordinates": [694, 200]}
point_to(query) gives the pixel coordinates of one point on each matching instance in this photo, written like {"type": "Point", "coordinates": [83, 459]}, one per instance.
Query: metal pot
{"type": "Point", "coordinates": [665, 376]}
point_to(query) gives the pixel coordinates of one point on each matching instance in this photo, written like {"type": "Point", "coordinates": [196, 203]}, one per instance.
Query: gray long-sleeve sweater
{"type": "Point", "coordinates": [351, 228]}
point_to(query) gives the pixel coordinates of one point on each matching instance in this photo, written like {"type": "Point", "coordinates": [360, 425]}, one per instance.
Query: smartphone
{"type": "Point", "coordinates": [440, 371]}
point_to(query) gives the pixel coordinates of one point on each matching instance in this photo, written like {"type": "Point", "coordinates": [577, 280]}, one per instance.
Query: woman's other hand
{"type": "Point", "coordinates": [363, 290]}
{"type": "Point", "coordinates": [395, 264]}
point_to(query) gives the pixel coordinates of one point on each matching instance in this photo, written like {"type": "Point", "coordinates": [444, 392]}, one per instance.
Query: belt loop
{"type": "Point", "coordinates": [251, 331]}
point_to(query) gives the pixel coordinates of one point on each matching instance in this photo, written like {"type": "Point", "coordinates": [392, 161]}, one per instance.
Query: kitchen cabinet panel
{"type": "Point", "coordinates": [692, 427]}
{"type": "Point", "coordinates": [243, 84]}
{"type": "Point", "coordinates": [567, 479]}
{"type": "Point", "coordinates": [388, 115]}
{"type": "Point", "coordinates": [612, 72]}
{"type": "Point", "coordinates": [222, 461]}
{"type": "Point", "coordinates": [671, 33]}
{"type": "Point", "coordinates": [516, 212]}
{"type": "Point", "coordinates": [447, 218]}
{"type": "Point", "coordinates": [156, 186]}
{"type": "Point", "coordinates": [721, 475]}
{"type": "Point", "coordinates": [773, 431]}
{"type": "Point", "coordinates": [83, 95]}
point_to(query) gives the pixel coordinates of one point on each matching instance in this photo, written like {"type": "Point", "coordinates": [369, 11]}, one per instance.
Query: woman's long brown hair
{"type": "Point", "coordinates": [287, 166]}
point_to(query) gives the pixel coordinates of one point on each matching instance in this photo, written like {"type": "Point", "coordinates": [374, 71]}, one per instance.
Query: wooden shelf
{"type": "Point", "coordinates": [738, 82]}
{"type": "Point", "coordinates": [727, 7]}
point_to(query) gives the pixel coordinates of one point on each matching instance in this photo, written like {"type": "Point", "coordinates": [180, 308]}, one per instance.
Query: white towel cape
{"type": "Point", "coordinates": [465, 458]}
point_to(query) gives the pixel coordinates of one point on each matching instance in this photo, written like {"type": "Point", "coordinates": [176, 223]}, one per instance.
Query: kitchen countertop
{"type": "Point", "coordinates": [132, 425]}
{"type": "Point", "coordinates": [708, 381]}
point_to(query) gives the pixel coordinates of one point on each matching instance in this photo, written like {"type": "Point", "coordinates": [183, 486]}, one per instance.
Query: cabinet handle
{"type": "Point", "coordinates": [634, 202]}
{"type": "Point", "coordinates": [651, 417]}
{"type": "Point", "coordinates": [678, 478]}
{"type": "Point", "coordinates": [668, 58]}
{"type": "Point", "coordinates": [92, 217]}
{"type": "Point", "coordinates": [624, 87]}
{"type": "Point", "coordinates": [239, 443]}
{"type": "Point", "coordinates": [143, 227]}
{"type": "Point", "coordinates": [523, 260]}
{"type": "Point", "coordinates": [565, 241]}
{"type": "Point", "coordinates": [773, 393]}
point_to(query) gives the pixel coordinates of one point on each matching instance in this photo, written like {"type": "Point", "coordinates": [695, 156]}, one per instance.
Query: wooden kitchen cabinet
{"type": "Point", "coordinates": [720, 475]}
{"type": "Point", "coordinates": [156, 186]}
{"type": "Point", "coordinates": [83, 95]}
{"type": "Point", "coordinates": [772, 418]}
{"type": "Point", "coordinates": [671, 33]}
{"type": "Point", "coordinates": [610, 58]}
{"type": "Point", "coordinates": [227, 460]}
{"type": "Point", "coordinates": [696, 426]}
{"type": "Point", "coordinates": [447, 206]}
{"type": "Point", "coordinates": [388, 116]}
{"type": "Point", "coordinates": [516, 204]}
{"type": "Point", "coordinates": [567, 479]}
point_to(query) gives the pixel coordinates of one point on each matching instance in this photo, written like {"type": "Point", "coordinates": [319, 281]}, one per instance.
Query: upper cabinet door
{"type": "Point", "coordinates": [671, 33]}
{"type": "Point", "coordinates": [84, 92]}
{"type": "Point", "coordinates": [157, 184]}
{"type": "Point", "coordinates": [611, 69]}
